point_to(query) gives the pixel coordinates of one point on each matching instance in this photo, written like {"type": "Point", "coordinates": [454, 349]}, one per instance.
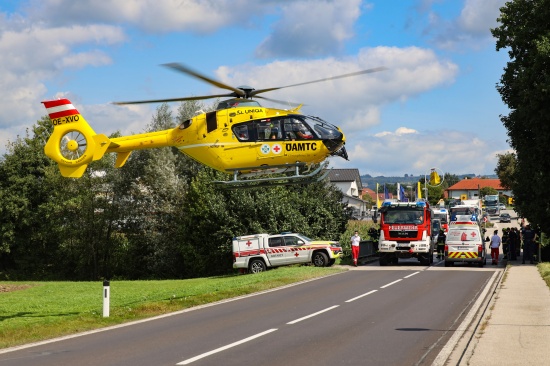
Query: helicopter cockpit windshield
{"type": "Point", "coordinates": [323, 129]}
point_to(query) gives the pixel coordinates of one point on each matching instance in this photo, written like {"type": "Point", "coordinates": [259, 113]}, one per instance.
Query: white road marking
{"type": "Point", "coordinates": [412, 274]}
{"type": "Point", "coordinates": [312, 315]}
{"type": "Point", "coordinates": [391, 283]}
{"type": "Point", "coordinates": [190, 360]}
{"type": "Point", "coordinates": [360, 296]}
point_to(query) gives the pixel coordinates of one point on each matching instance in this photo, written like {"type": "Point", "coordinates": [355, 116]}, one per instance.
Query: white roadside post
{"type": "Point", "coordinates": [106, 298]}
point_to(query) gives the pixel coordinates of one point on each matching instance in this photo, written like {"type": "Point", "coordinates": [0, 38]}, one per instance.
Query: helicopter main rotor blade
{"type": "Point", "coordinates": [181, 68]}
{"type": "Point", "coordinates": [292, 104]}
{"type": "Point", "coordinates": [175, 99]}
{"type": "Point", "coordinates": [368, 71]}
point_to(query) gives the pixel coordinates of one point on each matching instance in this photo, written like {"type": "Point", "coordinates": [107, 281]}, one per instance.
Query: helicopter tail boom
{"type": "Point", "coordinates": [73, 143]}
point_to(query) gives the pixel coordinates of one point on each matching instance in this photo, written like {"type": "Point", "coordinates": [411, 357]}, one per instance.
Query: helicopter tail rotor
{"type": "Point", "coordinates": [73, 143]}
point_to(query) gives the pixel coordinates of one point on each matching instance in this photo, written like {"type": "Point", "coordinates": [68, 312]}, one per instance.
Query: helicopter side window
{"type": "Point", "coordinates": [263, 130]}
{"type": "Point", "coordinates": [269, 130]}
{"type": "Point", "coordinates": [241, 132]}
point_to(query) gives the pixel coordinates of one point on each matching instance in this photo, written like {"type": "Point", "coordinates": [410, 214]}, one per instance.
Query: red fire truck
{"type": "Point", "coordinates": [406, 232]}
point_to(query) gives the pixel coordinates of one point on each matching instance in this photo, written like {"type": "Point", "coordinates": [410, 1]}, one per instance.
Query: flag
{"type": "Point", "coordinates": [402, 194]}
{"type": "Point", "coordinates": [399, 198]}
{"type": "Point", "coordinates": [377, 196]}
{"type": "Point", "coordinates": [386, 193]}
{"type": "Point", "coordinates": [415, 194]}
{"type": "Point", "coordinates": [419, 190]}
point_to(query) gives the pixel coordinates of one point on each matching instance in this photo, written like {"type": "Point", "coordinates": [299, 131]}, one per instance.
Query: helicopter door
{"type": "Point", "coordinates": [269, 137]}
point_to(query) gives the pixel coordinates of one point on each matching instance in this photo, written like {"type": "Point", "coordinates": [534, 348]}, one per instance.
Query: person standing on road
{"type": "Point", "coordinates": [506, 243]}
{"type": "Point", "coordinates": [495, 245]}
{"type": "Point", "coordinates": [441, 244]}
{"type": "Point", "coordinates": [355, 239]}
{"type": "Point", "coordinates": [512, 244]}
{"type": "Point", "coordinates": [528, 236]}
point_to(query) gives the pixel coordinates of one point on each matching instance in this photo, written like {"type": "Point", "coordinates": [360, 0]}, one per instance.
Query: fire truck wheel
{"type": "Point", "coordinates": [425, 261]}
{"type": "Point", "coordinates": [257, 266]}
{"type": "Point", "coordinates": [383, 261]}
{"type": "Point", "coordinates": [320, 259]}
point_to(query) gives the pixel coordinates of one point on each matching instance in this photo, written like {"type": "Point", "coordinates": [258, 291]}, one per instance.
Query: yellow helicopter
{"type": "Point", "coordinates": [240, 137]}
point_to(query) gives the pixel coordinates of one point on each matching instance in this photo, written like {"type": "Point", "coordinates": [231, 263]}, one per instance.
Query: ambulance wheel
{"type": "Point", "coordinates": [448, 264]}
{"type": "Point", "coordinates": [481, 263]}
{"type": "Point", "coordinates": [257, 266]}
{"type": "Point", "coordinates": [331, 262]}
{"type": "Point", "coordinates": [320, 259]}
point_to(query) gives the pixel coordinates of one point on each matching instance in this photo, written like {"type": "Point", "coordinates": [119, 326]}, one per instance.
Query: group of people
{"type": "Point", "coordinates": [511, 244]}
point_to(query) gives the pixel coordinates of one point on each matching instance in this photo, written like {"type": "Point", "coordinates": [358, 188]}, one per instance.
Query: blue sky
{"type": "Point", "coordinates": [435, 106]}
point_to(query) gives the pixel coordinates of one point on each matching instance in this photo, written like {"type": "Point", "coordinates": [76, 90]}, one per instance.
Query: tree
{"type": "Point", "coordinates": [27, 239]}
{"type": "Point", "coordinates": [505, 169]}
{"type": "Point", "coordinates": [484, 191]}
{"type": "Point", "coordinates": [450, 180]}
{"type": "Point", "coordinates": [524, 32]}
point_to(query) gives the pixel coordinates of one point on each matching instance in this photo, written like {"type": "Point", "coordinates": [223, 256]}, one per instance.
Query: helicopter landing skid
{"type": "Point", "coordinates": [313, 176]}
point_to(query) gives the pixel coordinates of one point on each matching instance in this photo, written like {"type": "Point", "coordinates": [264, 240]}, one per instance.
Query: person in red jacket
{"type": "Point", "coordinates": [355, 239]}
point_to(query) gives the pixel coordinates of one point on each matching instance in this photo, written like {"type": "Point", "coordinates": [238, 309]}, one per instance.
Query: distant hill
{"type": "Point", "coordinates": [369, 181]}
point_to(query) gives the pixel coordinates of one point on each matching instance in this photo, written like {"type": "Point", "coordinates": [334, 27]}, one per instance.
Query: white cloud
{"type": "Point", "coordinates": [478, 16]}
{"type": "Point", "coordinates": [157, 16]}
{"type": "Point", "coordinates": [308, 28]}
{"type": "Point", "coordinates": [32, 55]}
{"type": "Point", "coordinates": [414, 152]}
{"type": "Point", "coordinates": [353, 103]}
{"type": "Point", "coordinates": [471, 28]}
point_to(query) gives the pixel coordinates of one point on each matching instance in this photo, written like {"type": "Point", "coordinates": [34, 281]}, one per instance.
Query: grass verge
{"type": "Point", "coordinates": [544, 269]}
{"type": "Point", "coordinates": [35, 311]}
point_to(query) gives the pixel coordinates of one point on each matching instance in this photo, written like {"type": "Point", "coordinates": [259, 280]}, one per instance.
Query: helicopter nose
{"type": "Point", "coordinates": [341, 152]}
{"type": "Point", "coordinates": [336, 146]}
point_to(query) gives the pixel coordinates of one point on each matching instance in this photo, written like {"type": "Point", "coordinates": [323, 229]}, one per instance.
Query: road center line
{"type": "Point", "coordinates": [360, 296]}
{"type": "Point", "coordinates": [312, 315]}
{"type": "Point", "coordinates": [190, 360]}
{"type": "Point", "coordinates": [412, 274]}
{"type": "Point", "coordinates": [391, 283]}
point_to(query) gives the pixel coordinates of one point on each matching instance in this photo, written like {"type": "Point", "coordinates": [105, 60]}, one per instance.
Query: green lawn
{"type": "Point", "coordinates": [34, 311]}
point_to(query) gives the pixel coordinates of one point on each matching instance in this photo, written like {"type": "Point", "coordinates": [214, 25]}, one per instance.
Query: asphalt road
{"type": "Point", "coordinates": [396, 315]}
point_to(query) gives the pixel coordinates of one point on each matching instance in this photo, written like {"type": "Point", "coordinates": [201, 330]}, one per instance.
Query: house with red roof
{"type": "Point", "coordinates": [468, 188]}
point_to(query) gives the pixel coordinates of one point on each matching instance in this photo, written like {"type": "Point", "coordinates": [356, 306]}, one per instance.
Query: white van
{"type": "Point", "coordinates": [465, 243]}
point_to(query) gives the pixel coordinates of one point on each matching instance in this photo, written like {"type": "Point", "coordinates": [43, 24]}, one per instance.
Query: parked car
{"type": "Point", "coordinates": [505, 217]}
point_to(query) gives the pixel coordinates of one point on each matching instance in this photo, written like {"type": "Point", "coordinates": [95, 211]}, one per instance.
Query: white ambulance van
{"type": "Point", "coordinates": [465, 244]}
